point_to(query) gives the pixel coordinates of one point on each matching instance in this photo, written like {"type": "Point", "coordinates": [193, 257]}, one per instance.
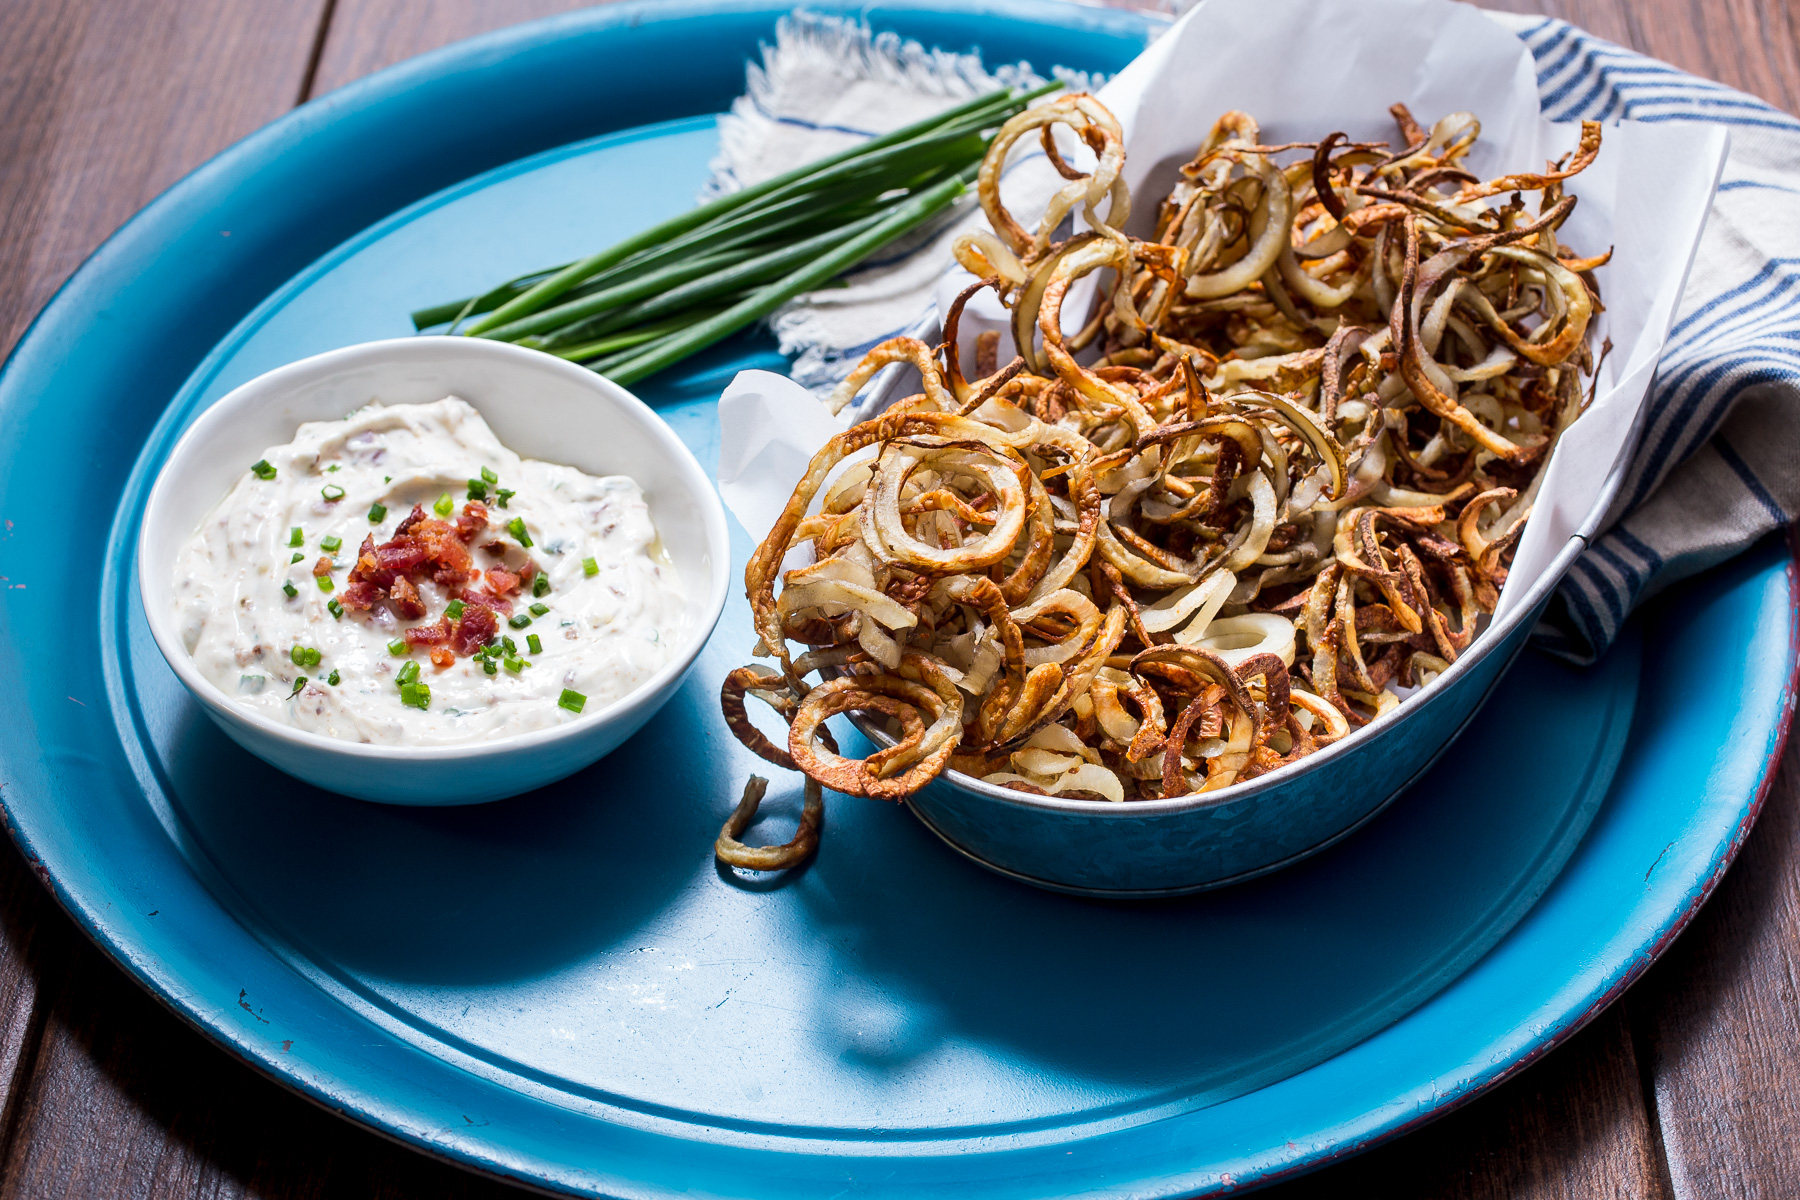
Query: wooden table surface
{"type": "Point", "coordinates": [1688, 1087]}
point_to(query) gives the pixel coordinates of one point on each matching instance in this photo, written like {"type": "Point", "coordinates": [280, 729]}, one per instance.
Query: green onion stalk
{"type": "Point", "coordinates": [674, 289]}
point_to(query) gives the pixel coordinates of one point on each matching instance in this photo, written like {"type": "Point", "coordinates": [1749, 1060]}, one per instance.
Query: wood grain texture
{"type": "Point", "coordinates": [1719, 1022]}
{"type": "Point", "coordinates": [1573, 1127]}
{"type": "Point", "coordinates": [1753, 45]}
{"type": "Point", "coordinates": [103, 1092]}
{"type": "Point", "coordinates": [367, 35]}
{"type": "Point", "coordinates": [103, 105]}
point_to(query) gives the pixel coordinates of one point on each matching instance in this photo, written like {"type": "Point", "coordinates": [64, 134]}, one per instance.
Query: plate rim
{"type": "Point", "coordinates": [100, 931]}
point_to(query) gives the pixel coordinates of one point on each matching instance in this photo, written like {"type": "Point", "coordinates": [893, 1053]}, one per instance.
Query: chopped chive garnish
{"type": "Point", "coordinates": [508, 643]}
{"type": "Point", "coordinates": [331, 545]}
{"type": "Point", "coordinates": [298, 684]}
{"type": "Point", "coordinates": [336, 609]}
{"type": "Point", "coordinates": [287, 585]}
{"type": "Point", "coordinates": [297, 557]}
{"type": "Point", "coordinates": [407, 673]}
{"type": "Point", "coordinates": [444, 506]}
{"type": "Point", "coordinates": [503, 495]}
{"type": "Point", "coordinates": [518, 620]}
{"type": "Point", "coordinates": [418, 695]}
{"type": "Point", "coordinates": [332, 467]}
{"type": "Point", "coordinates": [304, 656]}
{"type": "Point", "coordinates": [541, 585]}
{"type": "Point", "coordinates": [515, 665]}
{"type": "Point", "coordinates": [325, 584]}
{"type": "Point", "coordinates": [333, 678]}
{"type": "Point", "coordinates": [376, 513]}
{"type": "Point", "coordinates": [537, 647]}
{"type": "Point", "coordinates": [538, 610]}
{"type": "Point", "coordinates": [397, 647]}
{"type": "Point", "coordinates": [488, 476]}
{"type": "Point", "coordinates": [296, 536]}
{"type": "Point", "coordinates": [454, 610]}
{"type": "Point", "coordinates": [487, 664]}
{"type": "Point", "coordinates": [477, 490]}
{"type": "Point", "coordinates": [589, 567]}
{"type": "Point", "coordinates": [516, 527]}
{"type": "Point", "coordinates": [261, 469]}
{"type": "Point", "coordinates": [572, 700]}
{"type": "Point", "coordinates": [332, 492]}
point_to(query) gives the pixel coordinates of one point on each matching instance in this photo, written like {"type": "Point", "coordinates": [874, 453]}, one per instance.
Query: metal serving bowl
{"type": "Point", "coordinates": [1150, 848]}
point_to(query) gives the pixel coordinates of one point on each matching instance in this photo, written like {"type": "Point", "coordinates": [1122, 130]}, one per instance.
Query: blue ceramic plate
{"type": "Point", "coordinates": [562, 988]}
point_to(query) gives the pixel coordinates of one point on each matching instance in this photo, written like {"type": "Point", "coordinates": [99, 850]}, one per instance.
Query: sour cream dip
{"type": "Point", "coordinates": [400, 577]}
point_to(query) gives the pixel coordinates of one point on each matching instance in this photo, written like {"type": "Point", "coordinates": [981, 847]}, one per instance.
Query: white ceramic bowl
{"type": "Point", "coordinates": [540, 407]}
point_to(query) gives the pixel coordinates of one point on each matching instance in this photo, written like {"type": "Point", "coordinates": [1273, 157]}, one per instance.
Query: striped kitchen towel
{"type": "Point", "coordinates": [1719, 464]}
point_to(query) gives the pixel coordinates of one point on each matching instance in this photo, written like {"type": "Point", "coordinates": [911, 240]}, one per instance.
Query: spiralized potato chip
{"type": "Point", "coordinates": [1278, 473]}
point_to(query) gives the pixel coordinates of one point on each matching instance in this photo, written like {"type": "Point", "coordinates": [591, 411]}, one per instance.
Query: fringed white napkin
{"type": "Point", "coordinates": [828, 83]}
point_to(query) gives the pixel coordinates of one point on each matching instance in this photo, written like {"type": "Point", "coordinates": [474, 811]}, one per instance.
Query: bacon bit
{"type": "Point", "coordinates": [424, 544]}
{"type": "Point", "coordinates": [406, 598]}
{"type": "Point", "coordinates": [473, 520]}
{"type": "Point", "coordinates": [399, 556]}
{"type": "Point", "coordinates": [322, 567]}
{"type": "Point", "coordinates": [360, 596]}
{"type": "Point", "coordinates": [478, 624]}
{"type": "Point", "coordinates": [497, 548]}
{"type": "Point", "coordinates": [441, 545]}
{"type": "Point", "coordinates": [500, 581]}
{"type": "Point", "coordinates": [412, 518]}
{"type": "Point", "coordinates": [434, 634]}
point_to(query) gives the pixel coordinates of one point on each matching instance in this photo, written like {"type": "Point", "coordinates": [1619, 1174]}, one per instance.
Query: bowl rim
{"type": "Point", "coordinates": [1485, 642]}
{"type": "Point", "coordinates": [277, 384]}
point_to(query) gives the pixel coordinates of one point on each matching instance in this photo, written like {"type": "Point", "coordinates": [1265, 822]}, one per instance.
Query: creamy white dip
{"type": "Point", "coordinates": [615, 610]}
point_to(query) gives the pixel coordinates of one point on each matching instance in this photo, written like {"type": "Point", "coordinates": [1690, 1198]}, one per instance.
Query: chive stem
{"type": "Point", "coordinates": [859, 159]}
{"type": "Point", "coordinates": [766, 300]}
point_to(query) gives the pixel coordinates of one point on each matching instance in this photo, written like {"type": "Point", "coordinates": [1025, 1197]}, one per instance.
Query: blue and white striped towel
{"type": "Point", "coordinates": [1719, 464]}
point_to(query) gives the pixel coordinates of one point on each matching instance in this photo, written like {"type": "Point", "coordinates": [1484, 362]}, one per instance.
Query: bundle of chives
{"type": "Point", "coordinates": [678, 287]}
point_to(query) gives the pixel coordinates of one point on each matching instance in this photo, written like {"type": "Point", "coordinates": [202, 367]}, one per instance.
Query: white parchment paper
{"type": "Point", "coordinates": [1303, 69]}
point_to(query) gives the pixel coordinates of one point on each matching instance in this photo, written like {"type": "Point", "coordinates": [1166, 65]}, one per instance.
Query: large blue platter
{"type": "Point", "coordinates": [562, 988]}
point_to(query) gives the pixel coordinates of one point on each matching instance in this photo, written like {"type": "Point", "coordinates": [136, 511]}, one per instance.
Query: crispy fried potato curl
{"type": "Point", "coordinates": [1288, 488]}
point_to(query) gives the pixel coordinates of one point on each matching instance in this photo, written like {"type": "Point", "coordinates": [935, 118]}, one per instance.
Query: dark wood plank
{"type": "Point", "coordinates": [1719, 1021]}
{"type": "Point", "coordinates": [1573, 1127]}
{"type": "Point", "coordinates": [1753, 45]}
{"type": "Point", "coordinates": [367, 35]}
{"type": "Point", "coordinates": [104, 105]}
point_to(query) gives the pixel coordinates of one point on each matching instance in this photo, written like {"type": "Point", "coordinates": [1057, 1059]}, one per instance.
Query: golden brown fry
{"type": "Point", "coordinates": [728, 850]}
{"type": "Point", "coordinates": [1294, 474]}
